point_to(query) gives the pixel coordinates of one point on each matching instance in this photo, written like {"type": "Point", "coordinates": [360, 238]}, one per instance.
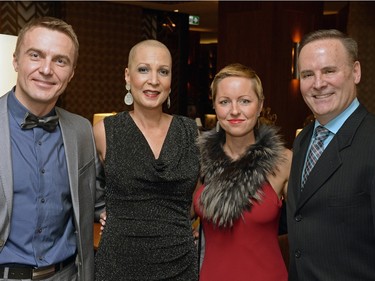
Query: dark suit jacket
{"type": "Point", "coordinates": [331, 224]}
{"type": "Point", "coordinates": [80, 157]}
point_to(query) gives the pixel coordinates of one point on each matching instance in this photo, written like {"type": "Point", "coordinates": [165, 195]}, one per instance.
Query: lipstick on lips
{"type": "Point", "coordinates": [235, 121]}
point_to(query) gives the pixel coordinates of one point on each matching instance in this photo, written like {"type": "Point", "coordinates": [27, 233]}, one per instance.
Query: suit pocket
{"type": "Point", "coordinates": [348, 201]}
{"type": "Point", "coordinates": [86, 179]}
{"type": "Point", "coordinates": [86, 166]}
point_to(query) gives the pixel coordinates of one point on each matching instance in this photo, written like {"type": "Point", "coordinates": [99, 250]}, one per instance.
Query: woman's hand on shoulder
{"type": "Point", "coordinates": [103, 219]}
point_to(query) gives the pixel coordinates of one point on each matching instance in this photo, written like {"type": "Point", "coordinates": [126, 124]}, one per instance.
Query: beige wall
{"type": "Point", "coordinates": [7, 74]}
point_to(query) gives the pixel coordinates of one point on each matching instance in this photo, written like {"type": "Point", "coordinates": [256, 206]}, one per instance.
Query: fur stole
{"type": "Point", "coordinates": [231, 187]}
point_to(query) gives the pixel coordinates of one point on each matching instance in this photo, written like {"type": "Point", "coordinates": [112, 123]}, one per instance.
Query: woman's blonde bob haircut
{"type": "Point", "coordinates": [237, 70]}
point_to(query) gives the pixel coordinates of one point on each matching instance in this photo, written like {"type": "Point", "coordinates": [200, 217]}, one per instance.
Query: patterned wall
{"type": "Point", "coordinates": [106, 32]}
{"type": "Point", "coordinates": [361, 26]}
{"type": "Point", "coordinates": [14, 14]}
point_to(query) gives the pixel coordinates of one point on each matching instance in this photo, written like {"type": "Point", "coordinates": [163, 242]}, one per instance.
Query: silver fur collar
{"type": "Point", "coordinates": [232, 186]}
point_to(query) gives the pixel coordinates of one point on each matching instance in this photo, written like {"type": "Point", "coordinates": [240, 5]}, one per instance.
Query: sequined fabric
{"type": "Point", "coordinates": [148, 233]}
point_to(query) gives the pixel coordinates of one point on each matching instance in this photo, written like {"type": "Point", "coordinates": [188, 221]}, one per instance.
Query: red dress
{"type": "Point", "coordinates": [250, 249]}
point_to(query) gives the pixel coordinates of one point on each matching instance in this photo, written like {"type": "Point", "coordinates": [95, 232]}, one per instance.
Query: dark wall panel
{"type": "Point", "coordinates": [361, 26]}
{"type": "Point", "coordinates": [106, 32]}
{"type": "Point", "coordinates": [260, 34]}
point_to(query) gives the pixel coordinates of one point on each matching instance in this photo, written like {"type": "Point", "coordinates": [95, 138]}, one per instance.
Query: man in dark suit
{"type": "Point", "coordinates": [331, 214]}
{"type": "Point", "coordinates": [47, 165]}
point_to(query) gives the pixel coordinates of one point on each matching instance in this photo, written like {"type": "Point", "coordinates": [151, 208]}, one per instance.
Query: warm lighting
{"type": "Point", "coordinates": [298, 131]}
{"type": "Point", "coordinates": [169, 24]}
{"type": "Point", "coordinates": [198, 122]}
{"type": "Point", "coordinates": [209, 121]}
{"type": "Point", "coordinates": [294, 87]}
{"type": "Point", "coordinates": [294, 67]}
{"type": "Point", "coordinates": [100, 116]}
{"type": "Point", "coordinates": [8, 76]}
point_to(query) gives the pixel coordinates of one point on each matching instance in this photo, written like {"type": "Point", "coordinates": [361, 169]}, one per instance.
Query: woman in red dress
{"type": "Point", "coordinates": [245, 170]}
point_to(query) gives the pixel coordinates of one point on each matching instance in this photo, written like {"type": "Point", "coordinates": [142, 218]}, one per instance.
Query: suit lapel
{"type": "Point", "coordinates": [326, 165]}
{"type": "Point", "coordinates": [299, 152]}
{"type": "Point", "coordinates": [330, 160]}
{"type": "Point", "coordinates": [6, 173]}
{"type": "Point", "coordinates": [71, 154]}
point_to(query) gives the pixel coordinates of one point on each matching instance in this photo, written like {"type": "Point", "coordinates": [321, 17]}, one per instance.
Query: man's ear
{"type": "Point", "coordinates": [71, 76]}
{"type": "Point", "coordinates": [15, 62]}
{"type": "Point", "coordinates": [357, 72]}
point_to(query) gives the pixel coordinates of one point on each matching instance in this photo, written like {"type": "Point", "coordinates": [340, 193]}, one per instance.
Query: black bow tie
{"type": "Point", "coordinates": [31, 121]}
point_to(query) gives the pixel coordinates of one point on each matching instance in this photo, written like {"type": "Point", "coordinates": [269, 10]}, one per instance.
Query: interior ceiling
{"type": "Point", "coordinates": [208, 13]}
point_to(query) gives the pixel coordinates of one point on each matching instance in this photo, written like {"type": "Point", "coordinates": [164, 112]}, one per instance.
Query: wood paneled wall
{"type": "Point", "coordinates": [361, 26]}
{"type": "Point", "coordinates": [260, 34]}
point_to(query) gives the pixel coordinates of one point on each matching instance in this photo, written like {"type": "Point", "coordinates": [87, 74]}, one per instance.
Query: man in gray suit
{"type": "Point", "coordinates": [47, 164]}
{"type": "Point", "coordinates": [331, 213]}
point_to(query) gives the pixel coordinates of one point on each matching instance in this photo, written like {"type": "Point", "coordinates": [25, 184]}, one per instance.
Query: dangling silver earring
{"type": "Point", "coordinates": [169, 102]}
{"type": "Point", "coordinates": [217, 126]}
{"type": "Point", "coordinates": [128, 97]}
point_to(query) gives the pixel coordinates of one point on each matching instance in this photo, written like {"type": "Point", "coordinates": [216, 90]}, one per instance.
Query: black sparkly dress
{"type": "Point", "coordinates": [148, 234]}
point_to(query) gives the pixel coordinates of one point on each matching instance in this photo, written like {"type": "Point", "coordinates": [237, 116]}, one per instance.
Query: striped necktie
{"type": "Point", "coordinates": [316, 149]}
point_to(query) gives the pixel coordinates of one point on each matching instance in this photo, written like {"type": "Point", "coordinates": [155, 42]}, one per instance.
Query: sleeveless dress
{"type": "Point", "coordinates": [148, 233]}
{"type": "Point", "coordinates": [250, 249]}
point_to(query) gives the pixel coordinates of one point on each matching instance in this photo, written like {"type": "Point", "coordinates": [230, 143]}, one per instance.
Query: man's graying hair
{"type": "Point", "coordinates": [349, 44]}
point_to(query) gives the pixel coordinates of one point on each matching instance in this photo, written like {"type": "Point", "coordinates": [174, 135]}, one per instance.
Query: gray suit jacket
{"type": "Point", "coordinates": [80, 157]}
{"type": "Point", "coordinates": [331, 224]}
